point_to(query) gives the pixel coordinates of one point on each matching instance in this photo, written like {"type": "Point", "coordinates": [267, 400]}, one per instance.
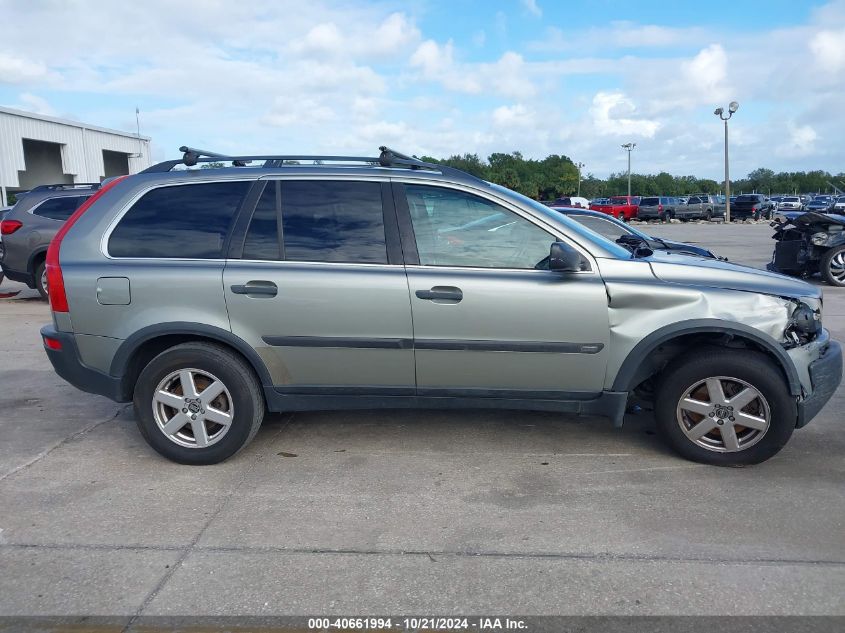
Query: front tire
{"type": "Point", "coordinates": [832, 266]}
{"type": "Point", "coordinates": [725, 407]}
{"type": "Point", "coordinates": [198, 403]}
{"type": "Point", "coordinates": [41, 281]}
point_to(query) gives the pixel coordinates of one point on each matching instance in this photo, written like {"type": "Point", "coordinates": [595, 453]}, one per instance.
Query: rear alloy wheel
{"type": "Point", "coordinates": [667, 217]}
{"type": "Point", "coordinates": [709, 215]}
{"type": "Point", "coordinates": [198, 403]}
{"type": "Point", "coordinates": [725, 407]}
{"type": "Point", "coordinates": [832, 266]}
{"type": "Point", "coordinates": [41, 280]}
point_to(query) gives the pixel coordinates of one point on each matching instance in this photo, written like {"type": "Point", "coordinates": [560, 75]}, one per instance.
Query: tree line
{"type": "Point", "coordinates": [557, 175]}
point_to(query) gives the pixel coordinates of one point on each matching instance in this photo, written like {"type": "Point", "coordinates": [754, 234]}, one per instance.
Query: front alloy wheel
{"type": "Point", "coordinates": [723, 414]}
{"type": "Point", "coordinates": [722, 406]}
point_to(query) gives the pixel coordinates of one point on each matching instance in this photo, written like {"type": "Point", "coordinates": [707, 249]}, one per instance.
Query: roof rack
{"type": "Point", "coordinates": [387, 158]}
{"type": "Point", "coordinates": [65, 186]}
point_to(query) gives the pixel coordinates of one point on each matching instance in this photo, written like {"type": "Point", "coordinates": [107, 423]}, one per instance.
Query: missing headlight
{"type": "Point", "coordinates": [819, 238]}
{"type": "Point", "coordinates": [804, 325]}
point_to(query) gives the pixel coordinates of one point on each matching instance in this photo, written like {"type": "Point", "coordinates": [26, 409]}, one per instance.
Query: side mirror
{"type": "Point", "coordinates": [563, 258]}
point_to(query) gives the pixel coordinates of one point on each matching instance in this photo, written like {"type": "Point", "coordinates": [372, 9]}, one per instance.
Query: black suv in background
{"type": "Point", "coordinates": [658, 208]}
{"type": "Point", "coordinates": [28, 228]}
{"type": "Point", "coordinates": [752, 205]}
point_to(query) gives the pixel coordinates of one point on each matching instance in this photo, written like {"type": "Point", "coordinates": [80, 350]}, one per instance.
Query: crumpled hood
{"type": "Point", "coordinates": [713, 273]}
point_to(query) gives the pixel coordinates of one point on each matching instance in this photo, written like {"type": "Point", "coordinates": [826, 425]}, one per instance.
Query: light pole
{"type": "Point", "coordinates": [733, 106]}
{"type": "Point", "coordinates": [629, 147]}
{"type": "Point", "coordinates": [580, 166]}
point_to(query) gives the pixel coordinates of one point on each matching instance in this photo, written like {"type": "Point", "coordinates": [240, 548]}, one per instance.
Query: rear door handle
{"type": "Point", "coordinates": [256, 288]}
{"type": "Point", "coordinates": [445, 294]}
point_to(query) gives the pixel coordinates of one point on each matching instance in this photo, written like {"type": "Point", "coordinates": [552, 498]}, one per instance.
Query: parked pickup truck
{"type": "Point", "coordinates": [751, 205]}
{"type": "Point", "coordinates": [702, 206]}
{"type": "Point", "coordinates": [620, 207]}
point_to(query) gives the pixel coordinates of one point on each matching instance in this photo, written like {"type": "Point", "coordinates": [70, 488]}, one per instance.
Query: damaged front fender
{"type": "Point", "coordinates": [645, 313]}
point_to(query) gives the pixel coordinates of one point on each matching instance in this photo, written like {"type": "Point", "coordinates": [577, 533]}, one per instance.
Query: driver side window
{"type": "Point", "coordinates": [454, 228]}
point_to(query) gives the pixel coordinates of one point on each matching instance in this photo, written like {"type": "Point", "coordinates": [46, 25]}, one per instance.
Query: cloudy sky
{"type": "Point", "coordinates": [442, 77]}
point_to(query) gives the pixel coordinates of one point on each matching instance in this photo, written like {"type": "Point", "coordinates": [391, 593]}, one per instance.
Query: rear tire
{"type": "Point", "coordinates": [709, 215]}
{"type": "Point", "coordinates": [667, 217]}
{"type": "Point", "coordinates": [685, 385]}
{"type": "Point", "coordinates": [832, 266]}
{"type": "Point", "coordinates": [170, 390]}
{"type": "Point", "coordinates": [41, 281]}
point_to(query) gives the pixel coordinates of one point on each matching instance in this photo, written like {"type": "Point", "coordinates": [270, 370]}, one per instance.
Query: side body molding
{"type": "Point", "coordinates": [627, 372]}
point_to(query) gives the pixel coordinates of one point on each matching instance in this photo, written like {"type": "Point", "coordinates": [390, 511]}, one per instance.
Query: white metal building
{"type": "Point", "coordinates": [39, 150]}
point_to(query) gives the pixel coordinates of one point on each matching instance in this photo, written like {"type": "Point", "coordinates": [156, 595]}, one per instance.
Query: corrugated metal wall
{"type": "Point", "coordinates": [82, 147]}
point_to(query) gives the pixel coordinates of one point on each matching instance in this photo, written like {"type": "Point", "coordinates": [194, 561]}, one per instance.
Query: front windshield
{"type": "Point", "coordinates": [585, 234]}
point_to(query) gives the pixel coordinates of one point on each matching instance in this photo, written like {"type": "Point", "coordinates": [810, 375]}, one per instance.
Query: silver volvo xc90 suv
{"type": "Point", "coordinates": [291, 283]}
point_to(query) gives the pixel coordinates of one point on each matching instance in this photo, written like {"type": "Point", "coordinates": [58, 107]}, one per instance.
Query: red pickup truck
{"type": "Point", "coordinates": [620, 207]}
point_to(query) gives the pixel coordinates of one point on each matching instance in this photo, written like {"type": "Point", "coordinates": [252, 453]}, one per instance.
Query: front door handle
{"type": "Point", "coordinates": [256, 288]}
{"type": "Point", "coordinates": [441, 294]}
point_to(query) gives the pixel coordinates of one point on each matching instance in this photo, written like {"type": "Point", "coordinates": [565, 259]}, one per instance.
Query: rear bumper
{"type": "Point", "coordinates": [17, 275]}
{"type": "Point", "coordinates": [69, 366]}
{"type": "Point", "coordinates": [825, 376]}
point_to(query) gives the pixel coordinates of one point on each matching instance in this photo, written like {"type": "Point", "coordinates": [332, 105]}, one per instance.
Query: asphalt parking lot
{"type": "Point", "coordinates": [379, 512]}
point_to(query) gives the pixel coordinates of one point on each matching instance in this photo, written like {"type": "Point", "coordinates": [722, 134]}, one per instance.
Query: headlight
{"type": "Point", "coordinates": [819, 238]}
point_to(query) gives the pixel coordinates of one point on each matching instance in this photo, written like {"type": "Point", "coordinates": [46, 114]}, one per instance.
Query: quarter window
{"type": "Point", "coordinates": [59, 208]}
{"type": "Point", "coordinates": [184, 221]}
{"type": "Point", "coordinates": [334, 221]}
{"type": "Point", "coordinates": [262, 237]}
{"type": "Point", "coordinates": [454, 228]}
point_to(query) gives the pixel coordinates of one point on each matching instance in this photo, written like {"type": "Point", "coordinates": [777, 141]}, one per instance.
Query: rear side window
{"type": "Point", "coordinates": [333, 221]}
{"type": "Point", "coordinates": [59, 208]}
{"type": "Point", "coordinates": [182, 221]}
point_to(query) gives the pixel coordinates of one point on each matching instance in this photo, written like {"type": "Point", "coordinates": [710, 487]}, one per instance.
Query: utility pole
{"type": "Point", "coordinates": [629, 147]}
{"type": "Point", "coordinates": [580, 166]}
{"type": "Point", "coordinates": [720, 112]}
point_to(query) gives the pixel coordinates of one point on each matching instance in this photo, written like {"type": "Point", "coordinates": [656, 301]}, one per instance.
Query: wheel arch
{"type": "Point", "coordinates": [35, 258]}
{"type": "Point", "coordinates": [142, 346]}
{"type": "Point", "coordinates": [653, 352]}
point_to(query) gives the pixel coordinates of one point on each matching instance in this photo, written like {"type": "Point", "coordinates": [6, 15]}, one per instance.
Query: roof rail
{"type": "Point", "coordinates": [64, 186]}
{"type": "Point", "coordinates": [387, 158]}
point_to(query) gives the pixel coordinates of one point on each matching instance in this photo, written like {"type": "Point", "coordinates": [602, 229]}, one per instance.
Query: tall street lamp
{"type": "Point", "coordinates": [580, 166]}
{"type": "Point", "coordinates": [733, 106]}
{"type": "Point", "coordinates": [629, 147]}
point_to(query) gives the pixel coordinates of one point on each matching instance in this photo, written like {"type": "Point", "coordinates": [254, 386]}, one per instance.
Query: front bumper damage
{"type": "Point", "coordinates": [819, 366]}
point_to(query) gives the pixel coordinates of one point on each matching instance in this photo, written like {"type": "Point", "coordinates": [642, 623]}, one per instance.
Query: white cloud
{"type": "Point", "coordinates": [828, 48]}
{"type": "Point", "coordinates": [513, 116]}
{"type": "Point", "coordinates": [17, 70]}
{"type": "Point", "coordinates": [532, 8]}
{"type": "Point", "coordinates": [802, 140]}
{"type": "Point", "coordinates": [614, 114]}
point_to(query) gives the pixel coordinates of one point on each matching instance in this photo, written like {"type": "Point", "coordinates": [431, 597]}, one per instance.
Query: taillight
{"type": "Point", "coordinates": [55, 281]}
{"type": "Point", "coordinates": [7, 227]}
{"type": "Point", "coordinates": [660, 208]}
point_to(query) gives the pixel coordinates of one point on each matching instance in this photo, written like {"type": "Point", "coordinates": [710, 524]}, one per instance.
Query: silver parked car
{"type": "Point", "coordinates": [208, 297]}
